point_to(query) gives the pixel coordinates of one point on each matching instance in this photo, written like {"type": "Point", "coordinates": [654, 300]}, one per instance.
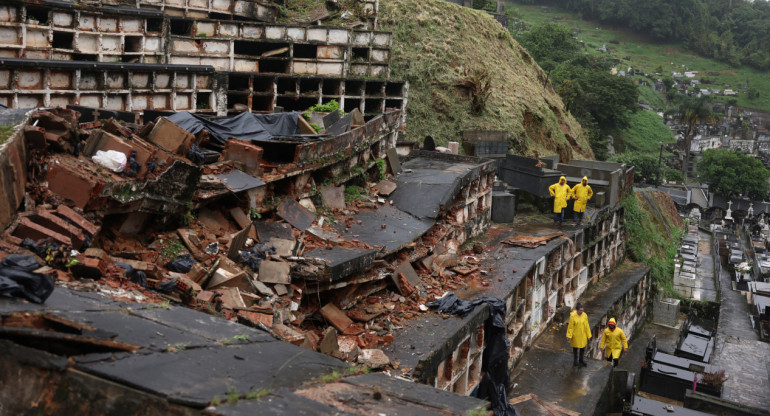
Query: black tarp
{"type": "Point", "coordinates": [18, 279]}
{"type": "Point", "coordinates": [244, 126]}
{"type": "Point", "coordinates": [494, 363]}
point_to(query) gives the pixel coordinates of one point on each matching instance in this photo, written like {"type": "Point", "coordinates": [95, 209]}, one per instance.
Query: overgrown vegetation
{"type": "Point", "coordinates": [603, 103]}
{"type": "Point", "coordinates": [172, 249]}
{"type": "Point", "coordinates": [437, 44]}
{"type": "Point", "coordinates": [644, 133]}
{"type": "Point", "coordinates": [735, 31]}
{"type": "Point", "coordinates": [5, 133]}
{"type": "Point", "coordinates": [640, 51]}
{"type": "Point", "coordinates": [651, 242]}
{"type": "Point", "coordinates": [329, 107]}
{"type": "Point", "coordinates": [354, 193]}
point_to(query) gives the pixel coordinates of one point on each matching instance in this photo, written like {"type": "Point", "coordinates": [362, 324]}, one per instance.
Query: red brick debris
{"type": "Point", "coordinates": [122, 232]}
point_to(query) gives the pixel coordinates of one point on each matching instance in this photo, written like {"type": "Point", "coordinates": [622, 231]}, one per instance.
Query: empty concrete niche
{"type": "Point", "coordinates": [374, 106]}
{"type": "Point", "coordinates": [237, 97]}
{"type": "Point", "coordinates": [91, 81]}
{"type": "Point", "coordinates": [37, 15]}
{"type": "Point", "coordinates": [309, 86]}
{"type": "Point", "coordinates": [132, 44]}
{"type": "Point", "coordinates": [331, 87]}
{"type": "Point", "coordinates": [304, 51]}
{"type": "Point", "coordinates": [262, 103]}
{"type": "Point", "coordinates": [353, 88]}
{"type": "Point", "coordinates": [180, 27]}
{"type": "Point", "coordinates": [375, 88]}
{"type": "Point", "coordinates": [263, 84]}
{"type": "Point", "coordinates": [394, 104]}
{"type": "Point", "coordinates": [359, 55]}
{"type": "Point", "coordinates": [238, 82]}
{"type": "Point", "coordinates": [276, 152]}
{"type": "Point", "coordinates": [115, 80]}
{"type": "Point", "coordinates": [154, 25]}
{"type": "Point", "coordinates": [88, 57]}
{"type": "Point", "coordinates": [394, 89]}
{"type": "Point", "coordinates": [274, 66]}
{"type": "Point", "coordinates": [287, 86]}
{"type": "Point", "coordinates": [296, 103]}
{"type": "Point", "coordinates": [203, 101]}
{"type": "Point", "coordinates": [63, 40]}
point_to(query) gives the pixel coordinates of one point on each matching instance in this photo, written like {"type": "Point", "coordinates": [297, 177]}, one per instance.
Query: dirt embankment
{"type": "Point", "coordinates": [466, 72]}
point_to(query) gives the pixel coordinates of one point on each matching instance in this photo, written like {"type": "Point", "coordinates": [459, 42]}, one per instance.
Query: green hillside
{"type": "Point", "coordinates": [641, 53]}
{"type": "Point", "coordinates": [465, 71]}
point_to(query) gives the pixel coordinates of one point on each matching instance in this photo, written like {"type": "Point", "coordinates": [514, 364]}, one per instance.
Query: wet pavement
{"type": "Point", "coordinates": [546, 369]}
{"type": "Point", "coordinates": [745, 359]}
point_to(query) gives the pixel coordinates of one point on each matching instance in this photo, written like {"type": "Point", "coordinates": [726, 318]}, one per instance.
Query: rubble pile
{"type": "Point", "coordinates": [157, 213]}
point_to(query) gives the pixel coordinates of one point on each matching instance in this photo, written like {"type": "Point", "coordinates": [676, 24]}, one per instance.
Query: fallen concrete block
{"type": "Point", "coordinates": [295, 214]}
{"type": "Point", "coordinates": [274, 272]}
{"type": "Point", "coordinates": [70, 179]}
{"type": "Point", "coordinates": [308, 204]}
{"type": "Point", "coordinates": [385, 187]}
{"type": "Point", "coordinates": [241, 281]}
{"type": "Point", "coordinates": [373, 358]}
{"type": "Point", "coordinates": [283, 247]}
{"type": "Point", "coordinates": [393, 161]}
{"type": "Point", "coordinates": [262, 288]}
{"type": "Point", "coordinates": [336, 317]}
{"type": "Point", "coordinates": [240, 217]}
{"type": "Point", "coordinates": [348, 347]}
{"type": "Point", "coordinates": [329, 345]}
{"type": "Point", "coordinates": [169, 136]}
{"type": "Point", "coordinates": [333, 197]}
{"type": "Point", "coordinates": [244, 153]}
{"type": "Point", "coordinates": [231, 298]}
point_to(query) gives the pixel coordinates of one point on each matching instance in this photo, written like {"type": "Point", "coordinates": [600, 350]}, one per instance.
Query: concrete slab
{"type": "Point", "coordinates": [295, 214]}
{"type": "Point", "coordinates": [427, 186]}
{"type": "Point", "coordinates": [551, 376]}
{"type": "Point", "coordinates": [342, 262]}
{"type": "Point", "coordinates": [195, 376]}
{"type": "Point", "coordinates": [280, 403]}
{"type": "Point", "coordinates": [400, 229]}
{"type": "Point", "coordinates": [333, 196]}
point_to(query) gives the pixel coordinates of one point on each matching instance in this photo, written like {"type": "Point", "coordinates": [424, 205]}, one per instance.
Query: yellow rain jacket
{"type": "Point", "coordinates": [578, 331]}
{"type": "Point", "coordinates": [560, 193]}
{"type": "Point", "coordinates": [581, 193]}
{"type": "Point", "coordinates": [615, 341]}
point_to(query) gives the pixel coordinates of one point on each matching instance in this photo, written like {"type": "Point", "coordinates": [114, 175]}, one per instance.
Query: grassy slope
{"type": "Point", "coordinates": [646, 55]}
{"type": "Point", "coordinates": [646, 132]}
{"type": "Point", "coordinates": [653, 234]}
{"type": "Point", "coordinates": [436, 41]}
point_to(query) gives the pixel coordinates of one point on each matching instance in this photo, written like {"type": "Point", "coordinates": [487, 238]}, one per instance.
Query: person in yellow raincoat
{"type": "Point", "coordinates": [582, 192]}
{"type": "Point", "coordinates": [613, 340]}
{"type": "Point", "coordinates": [578, 334]}
{"type": "Point", "coordinates": [561, 193]}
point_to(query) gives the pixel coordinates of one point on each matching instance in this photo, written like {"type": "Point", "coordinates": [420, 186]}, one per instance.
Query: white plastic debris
{"type": "Point", "coordinates": [111, 159]}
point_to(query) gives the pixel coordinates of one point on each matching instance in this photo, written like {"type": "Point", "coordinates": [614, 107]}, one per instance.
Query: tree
{"type": "Point", "coordinates": [549, 44]}
{"type": "Point", "coordinates": [731, 173]}
{"type": "Point", "coordinates": [645, 165]}
{"type": "Point", "coordinates": [692, 111]}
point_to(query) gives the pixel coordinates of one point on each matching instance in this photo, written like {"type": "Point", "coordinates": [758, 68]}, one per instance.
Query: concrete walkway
{"type": "Point", "coordinates": [547, 371]}
{"type": "Point", "coordinates": [739, 351]}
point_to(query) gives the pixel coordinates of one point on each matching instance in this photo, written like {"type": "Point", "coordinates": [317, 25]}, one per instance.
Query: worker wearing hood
{"type": "Point", "coordinates": [578, 334]}
{"type": "Point", "coordinates": [561, 193]}
{"type": "Point", "coordinates": [613, 341]}
{"type": "Point", "coordinates": [582, 192]}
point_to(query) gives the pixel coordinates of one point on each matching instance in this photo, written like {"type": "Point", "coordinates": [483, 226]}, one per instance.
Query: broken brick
{"type": "Point", "coordinates": [89, 267]}
{"type": "Point", "coordinates": [69, 179]}
{"type": "Point", "coordinates": [254, 319]}
{"type": "Point", "coordinates": [336, 317]}
{"type": "Point", "coordinates": [54, 223]}
{"type": "Point", "coordinates": [245, 153]}
{"type": "Point", "coordinates": [77, 219]}
{"type": "Point", "coordinates": [29, 229]}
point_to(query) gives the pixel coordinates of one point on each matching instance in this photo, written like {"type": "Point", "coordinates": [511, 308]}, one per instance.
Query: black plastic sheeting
{"type": "Point", "coordinates": [18, 280]}
{"type": "Point", "coordinates": [136, 276]}
{"type": "Point", "coordinates": [496, 381]}
{"type": "Point", "coordinates": [244, 126]}
{"type": "Point", "coordinates": [181, 264]}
